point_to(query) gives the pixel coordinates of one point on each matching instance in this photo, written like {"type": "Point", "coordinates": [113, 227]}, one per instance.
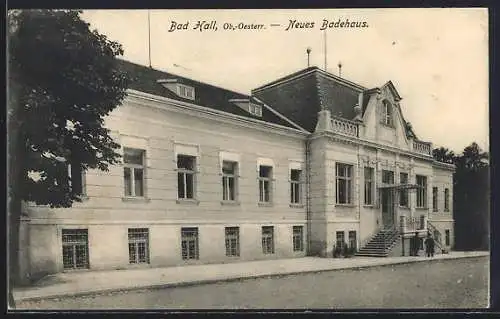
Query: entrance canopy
{"type": "Point", "coordinates": [400, 186]}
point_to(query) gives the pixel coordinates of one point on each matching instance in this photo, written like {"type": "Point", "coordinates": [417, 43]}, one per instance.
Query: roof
{"type": "Point", "coordinates": [304, 71]}
{"type": "Point", "coordinates": [145, 79]}
{"type": "Point", "coordinates": [302, 94]}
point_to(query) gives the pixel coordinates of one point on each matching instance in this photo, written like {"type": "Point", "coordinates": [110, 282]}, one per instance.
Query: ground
{"type": "Point", "coordinates": [460, 283]}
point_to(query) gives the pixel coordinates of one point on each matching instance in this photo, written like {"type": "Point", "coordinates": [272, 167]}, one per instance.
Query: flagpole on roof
{"type": "Point", "coordinates": [149, 37]}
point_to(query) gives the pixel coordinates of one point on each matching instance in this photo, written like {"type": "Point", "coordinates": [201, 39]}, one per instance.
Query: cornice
{"type": "Point", "coordinates": [191, 109]}
{"type": "Point", "coordinates": [442, 165]}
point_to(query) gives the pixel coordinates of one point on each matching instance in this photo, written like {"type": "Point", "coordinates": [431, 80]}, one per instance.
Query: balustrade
{"type": "Point", "coordinates": [422, 147]}
{"type": "Point", "coordinates": [344, 127]}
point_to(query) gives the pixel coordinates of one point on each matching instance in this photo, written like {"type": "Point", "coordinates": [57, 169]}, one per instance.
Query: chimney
{"type": "Point", "coordinates": [308, 50]}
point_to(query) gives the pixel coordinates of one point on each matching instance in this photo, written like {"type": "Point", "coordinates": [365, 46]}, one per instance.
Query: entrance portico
{"type": "Point", "coordinates": [390, 210]}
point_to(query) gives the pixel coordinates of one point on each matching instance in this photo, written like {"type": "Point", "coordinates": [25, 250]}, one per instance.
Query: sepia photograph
{"type": "Point", "coordinates": [290, 159]}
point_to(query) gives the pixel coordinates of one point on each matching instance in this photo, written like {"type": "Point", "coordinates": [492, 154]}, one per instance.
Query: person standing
{"type": "Point", "coordinates": [429, 246]}
{"type": "Point", "coordinates": [416, 244]}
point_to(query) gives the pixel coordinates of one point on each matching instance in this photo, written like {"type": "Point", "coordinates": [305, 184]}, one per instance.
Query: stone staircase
{"type": "Point", "coordinates": [381, 244]}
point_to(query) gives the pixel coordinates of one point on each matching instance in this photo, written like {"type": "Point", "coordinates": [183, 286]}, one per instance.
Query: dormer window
{"type": "Point", "coordinates": [181, 90]}
{"type": "Point", "coordinates": [255, 109]}
{"type": "Point", "coordinates": [387, 113]}
{"type": "Point", "coordinates": [185, 91]}
{"type": "Point", "coordinates": [248, 106]}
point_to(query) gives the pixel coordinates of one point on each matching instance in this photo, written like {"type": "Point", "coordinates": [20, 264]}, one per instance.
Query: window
{"type": "Point", "coordinates": [435, 199]}
{"type": "Point", "coordinates": [229, 170]}
{"type": "Point", "coordinates": [387, 177]}
{"type": "Point", "coordinates": [189, 243]}
{"type": "Point", "coordinates": [295, 193]}
{"type": "Point", "coordinates": [421, 191]}
{"type": "Point", "coordinates": [76, 176]}
{"type": "Point", "coordinates": [186, 91]}
{"type": "Point", "coordinates": [265, 179]}
{"type": "Point", "coordinates": [75, 246]}
{"type": "Point", "coordinates": [133, 172]}
{"type": "Point", "coordinates": [352, 239]}
{"type": "Point", "coordinates": [369, 186]}
{"type": "Point", "coordinates": [138, 245]}
{"type": "Point", "coordinates": [446, 200]}
{"type": "Point", "coordinates": [255, 109]}
{"type": "Point", "coordinates": [298, 238]}
{"type": "Point", "coordinates": [344, 183]}
{"type": "Point", "coordinates": [340, 239]}
{"type": "Point", "coordinates": [268, 239]}
{"type": "Point", "coordinates": [232, 241]}
{"type": "Point", "coordinates": [447, 237]}
{"type": "Point", "coordinates": [403, 193]}
{"type": "Point", "coordinates": [185, 176]}
{"type": "Point", "coordinates": [387, 113]}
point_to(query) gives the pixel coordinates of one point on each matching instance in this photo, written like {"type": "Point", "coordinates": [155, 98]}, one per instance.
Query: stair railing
{"type": "Point", "coordinates": [436, 234]}
{"type": "Point", "coordinates": [389, 235]}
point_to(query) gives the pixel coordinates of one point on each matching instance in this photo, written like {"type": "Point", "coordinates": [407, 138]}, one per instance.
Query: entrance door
{"type": "Point", "coordinates": [387, 208]}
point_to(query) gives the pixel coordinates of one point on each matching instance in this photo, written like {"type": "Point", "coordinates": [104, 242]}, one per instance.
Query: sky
{"type": "Point", "coordinates": [437, 58]}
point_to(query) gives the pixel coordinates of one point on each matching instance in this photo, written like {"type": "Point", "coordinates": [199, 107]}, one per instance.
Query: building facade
{"type": "Point", "coordinates": [301, 164]}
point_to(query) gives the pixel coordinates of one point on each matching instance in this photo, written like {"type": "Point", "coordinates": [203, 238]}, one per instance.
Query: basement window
{"type": "Point", "coordinates": [75, 248]}
{"type": "Point", "coordinates": [138, 245]}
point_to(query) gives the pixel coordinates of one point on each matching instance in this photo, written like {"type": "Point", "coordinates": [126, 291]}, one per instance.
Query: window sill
{"type": "Point", "coordinates": [369, 206]}
{"type": "Point", "coordinates": [265, 204]}
{"type": "Point", "coordinates": [297, 205]}
{"type": "Point", "coordinates": [135, 199]}
{"type": "Point", "coordinates": [138, 265]}
{"type": "Point", "coordinates": [230, 203]}
{"type": "Point", "coordinates": [345, 205]}
{"type": "Point", "coordinates": [188, 201]}
{"type": "Point", "coordinates": [421, 208]}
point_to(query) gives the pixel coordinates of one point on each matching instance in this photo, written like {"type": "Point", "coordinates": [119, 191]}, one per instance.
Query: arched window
{"type": "Point", "coordinates": [387, 113]}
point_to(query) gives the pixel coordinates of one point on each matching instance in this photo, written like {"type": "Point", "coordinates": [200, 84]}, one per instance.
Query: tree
{"type": "Point", "coordinates": [444, 155]}
{"type": "Point", "coordinates": [63, 80]}
{"type": "Point", "coordinates": [471, 198]}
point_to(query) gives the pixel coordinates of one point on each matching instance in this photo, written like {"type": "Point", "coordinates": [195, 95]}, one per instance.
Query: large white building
{"type": "Point", "coordinates": [301, 164]}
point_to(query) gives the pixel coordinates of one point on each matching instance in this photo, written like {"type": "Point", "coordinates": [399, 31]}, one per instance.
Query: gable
{"type": "Point", "coordinates": [396, 133]}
